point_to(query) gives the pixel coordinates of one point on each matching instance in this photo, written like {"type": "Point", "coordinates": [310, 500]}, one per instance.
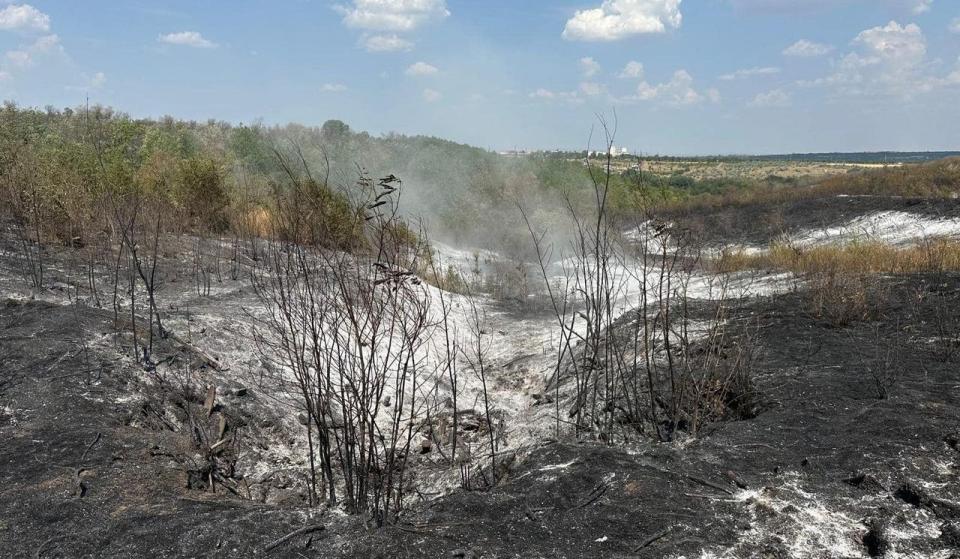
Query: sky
{"type": "Point", "coordinates": [676, 76]}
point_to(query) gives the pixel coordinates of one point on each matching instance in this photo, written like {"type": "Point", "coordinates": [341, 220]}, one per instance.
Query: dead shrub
{"type": "Point", "coordinates": [882, 360]}
{"type": "Point", "coordinates": [841, 298]}
{"type": "Point", "coordinates": [719, 384]}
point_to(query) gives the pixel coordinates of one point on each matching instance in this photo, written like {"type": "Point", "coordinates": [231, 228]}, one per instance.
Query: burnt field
{"type": "Point", "coordinates": [763, 221]}
{"type": "Point", "coordinates": [851, 448]}
{"type": "Point", "coordinates": [425, 279]}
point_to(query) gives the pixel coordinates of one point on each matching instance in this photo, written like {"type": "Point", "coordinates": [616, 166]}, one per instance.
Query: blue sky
{"type": "Point", "coordinates": [690, 76]}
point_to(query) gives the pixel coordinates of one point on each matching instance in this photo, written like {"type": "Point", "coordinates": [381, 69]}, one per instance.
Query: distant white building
{"type": "Point", "coordinates": [514, 153]}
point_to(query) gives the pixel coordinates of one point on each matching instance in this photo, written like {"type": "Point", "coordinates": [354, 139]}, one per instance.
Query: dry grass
{"type": "Point", "coordinates": [758, 170]}
{"type": "Point", "coordinates": [843, 280]}
{"type": "Point", "coordinates": [936, 179]}
{"type": "Point", "coordinates": [868, 257]}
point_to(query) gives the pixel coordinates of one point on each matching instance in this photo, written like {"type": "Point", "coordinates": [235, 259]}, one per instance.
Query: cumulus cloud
{"type": "Point", "coordinates": [633, 70]}
{"type": "Point", "coordinates": [895, 43]}
{"type": "Point", "coordinates": [98, 80]}
{"type": "Point", "coordinates": [421, 69]}
{"type": "Point", "coordinates": [386, 43]}
{"type": "Point", "coordinates": [619, 19]}
{"type": "Point", "coordinates": [571, 97]}
{"type": "Point", "coordinates": [431, 95]}
{"type": "Point", "coordinates": [677, 92]}
{"type": "Point", "coordinates": [90, 83]}
{"type": "Point", "coordinates": [392, 15]}
{"type": "Point", "coordinates": [805, 48]}
{"type": "Point", "coordinates": [40, 46]}
{"type": "Point", "coordinates": [23, 17]}
{"type": "Point", "coordinates": [889, 60]}
{"type": "Point", "coordinates": [187, 39]}
{"type": "Point", "coordinates": [591, 89]}
{"type": "Point", "coordinates": [333, 87]}
{"type": "Point", "coordinates": [589, 67]}
{"type": "Point", "coordinates": [19, 58]}
{"type": "Point", "coordinates": [750, 72]}
{"type": "Point", "coordinates": [24, 57]}
{"type": "Point", "coordinates": [921, 6]}
{"type": "Point", "coordinates": [773, 98]}
{"type": "Point", "coordinates": [955, 25]}
{"type": "Point", "coordinates": [542, 93]}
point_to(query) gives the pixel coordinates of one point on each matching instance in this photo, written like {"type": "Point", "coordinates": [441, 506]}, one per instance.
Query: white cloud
{"type": "Point", "coordinates": [98, 80]}
{"type": "Point", "coordinates": [633, 70]}
{"type": "Point", "coordinates": [24, 57]}
{"type": "Point", "coordinates": [750, 72]}
{"type": "Point", "coordinates": [619, 19]}
{"type": "Point", "coordinates": [954, 77]}
{"type": "Point", "coordinates": [589, 67]}
{"type": "Point", "coordinates": [431, 95]}
{"type": "Point", "coordinates": [572, 97]}
{"type": "Point", "coordinates": [187, 39]}
{"type": "Point", "coordinates": [678, 92]}
{"type": "Point", "coordinates": [19, 58]}
{"type": "Point", "coordinates": [955, 25]}
{"type": "Point", "coordinates": [921, 6]}
{"type": "Point", "coordinates": [4, 76]}
{"type": "Point", "coordinates": [421, 69]}
{"type": "Point", "coordinates": [895, 43]}
{"type": "Point", "coordinates": [889, 60]}
{"type": "Point", "coordinates": [805, 48]}
{"type": "Point", "coordinates": [333, 87]}
{"type": "Point", "coordinates": [386, 43]}
{"type": "Point", "coordinates": [392, 15]}
{"type": "Point", "coordinates": [591, 89]}
{"type": "Point", "coordinates": [773, 98]}
{"type": "Point", "coordinates": [23, 17]}
{"type": "Point", "coordinates": [46, 43]}
{"type": "Point", "coordinates": [90, 83]}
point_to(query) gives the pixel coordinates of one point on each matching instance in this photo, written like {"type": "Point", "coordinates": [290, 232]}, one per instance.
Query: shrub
{"type": "Point", "coordinates": [202, 193]}
{"type": "Point", "coordinates": [841, 298]}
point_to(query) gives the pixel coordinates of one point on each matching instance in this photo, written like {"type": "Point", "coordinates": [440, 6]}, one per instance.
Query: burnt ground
{"type": "Point", "coordinates": [87, 470]}
{"type": "Point", "coordinates": [762, 222]}
{"type": "Point", "coordinates": [830, 468]}
{"type": "Point", "coordinates": [101, 458]}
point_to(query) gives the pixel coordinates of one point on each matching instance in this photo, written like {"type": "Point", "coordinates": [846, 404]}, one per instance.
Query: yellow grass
{"type": "Point", "coordinates": [869, 257]}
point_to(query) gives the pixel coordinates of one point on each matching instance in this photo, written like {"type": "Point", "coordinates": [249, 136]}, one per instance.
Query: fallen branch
{"type": "Point", "coordinates": [652, 539]}
{"type": "Point", "coordinates": [42, 548]}
{"type": "Point", "coordinates": [294, 534]}
{"type": "Point", "coordinates": [207, 360]}
{"type": "Point", "coordinates": [89, 447]}
{"type": "Point", "coordinates": [595, 495]}
{"type": "Point", "coordinates": [732, 476]}
{"type": "Point", "coordinates": [710, 484]}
